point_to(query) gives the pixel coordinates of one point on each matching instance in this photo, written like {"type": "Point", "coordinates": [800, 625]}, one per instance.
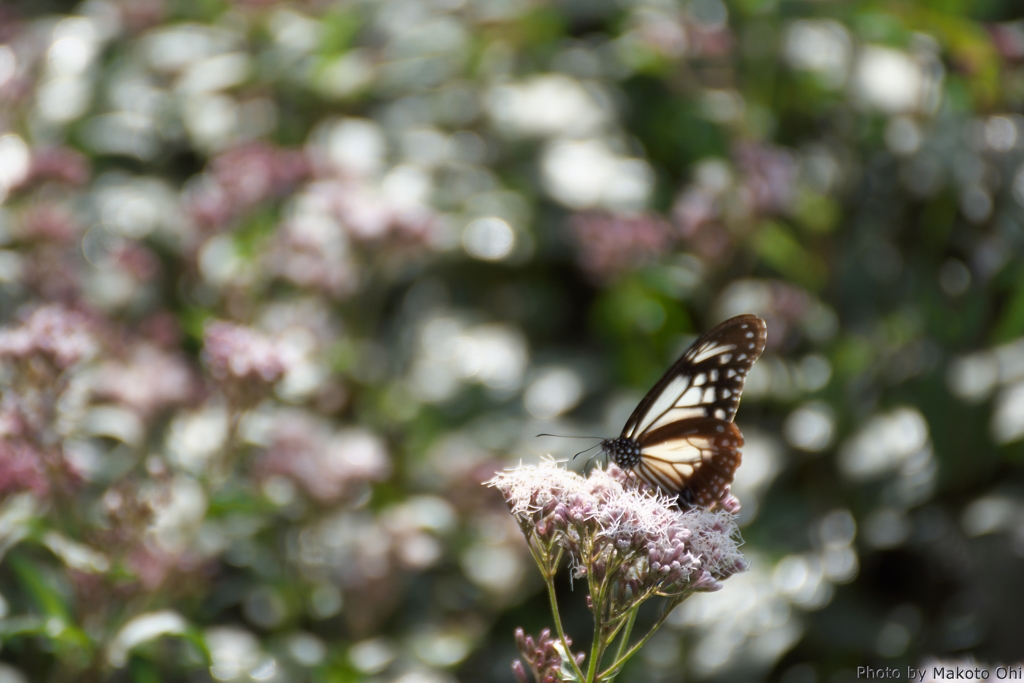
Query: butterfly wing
{"type": "Point", "coordinates": [688, 444]}
{"type": "Point", "coordinates": [694, 459]}
{"type": "Point", "coordinates": [706, 381]}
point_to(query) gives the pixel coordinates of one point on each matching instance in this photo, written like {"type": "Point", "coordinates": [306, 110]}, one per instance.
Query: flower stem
{"type": "Point", "coordinates": [549, 579]}
{"type": "Point", "coordinates": [627, 631]}
{"type": "Point", "coordinates": [549, 569]}
{"type": "Point", "coordinates": [621, 659]}
{"type": "Point", "coordinates": [597, 647]}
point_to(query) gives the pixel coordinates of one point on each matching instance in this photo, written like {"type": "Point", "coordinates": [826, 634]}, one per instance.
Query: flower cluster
{"type": "Point", "coordinates": [329, 466]}
{"type": "Point", "coordinates": [52, 336]}
{"type": "Point", "coordinates": [544, 657]}
{"type": "Point", "coordinates": [615, 531]}
{"type": "Point", "coordinates": [240, 179]}
{"type": "Point", "coordinates": [245, 362]}
{"type": "Point", "coordinates": [22, 468]}
{"type": "Point", "coordinates": [148, 380]}
{"type": "Point", "coordinates": [610, 244]}
{"type": "Point", "coordinates": [629, 542]}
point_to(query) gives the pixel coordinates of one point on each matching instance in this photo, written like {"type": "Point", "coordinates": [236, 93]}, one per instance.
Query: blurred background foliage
{"type": "Point", "coordinates": [282, 283]}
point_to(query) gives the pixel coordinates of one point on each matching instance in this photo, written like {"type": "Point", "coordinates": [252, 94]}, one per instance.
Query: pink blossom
{"type": "Point", "coordinates": [314, 253]}
{"type": "Point", "coordinates": [49, 223]}
{"type": "Point", "coordinates": [606, 520]}
{"type": "Point", "coordinates": [543, 656]}
{"type": "Point", "coordinates": [148, 381]}
{"type": "Point", "coordinates": [696, 207]}
{"type": "Point", "coordinates": [710, 41]}
{"type": "Point", "coordinates": [327, 464]}
{"type": "Point", "coordinates": [152, 566]}
{"type": "Point", "coordinates": [22, 468]}
{"type": "Point", "coordinates": [62, 164]}
{"type": "Point", "coordinates": [237, 352]}
{"type": "Point", "coordinates": [368, 215]}
{"type": "Point", "coordinates": [256, 171]}
{"type": "Point", "coordinates": [769, 175]}
{"type": "Point", "coordinates": [611, 243]}
{"type": "Point", "coordinates": [697, 216]}
{"type": "Point", "coordinates": [58, 335]}
{"type": "Point", "coordinates": [241, 178]}
{"type": "Point", "coordinates": [1008, 40]}
{"type": "Point", "coordinates": [142, 263]}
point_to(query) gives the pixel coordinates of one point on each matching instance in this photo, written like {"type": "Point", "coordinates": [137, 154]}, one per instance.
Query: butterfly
{"type": "Point", "coordinates": [681, 437]}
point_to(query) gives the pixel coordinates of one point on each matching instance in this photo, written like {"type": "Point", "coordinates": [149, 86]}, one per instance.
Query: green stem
{"type": "Point", "coordinates": [622, 659]}
{"type": "Point", "coordinates": [627, 632]}
{"type": "Point", "coordinates": [550, 581]}
{"type": "Point", "coordinates": [597, 648]}
{"type": "Point", "coordinates": [548, 570]}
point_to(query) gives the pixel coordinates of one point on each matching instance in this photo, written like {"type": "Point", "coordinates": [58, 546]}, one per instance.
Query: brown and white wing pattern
{"type": "Point", "coordinates": [695, 459]}
{"type": "Point", "coordinates": [683, 430]}
{"type": "Point", "coordinates": [706, 381]}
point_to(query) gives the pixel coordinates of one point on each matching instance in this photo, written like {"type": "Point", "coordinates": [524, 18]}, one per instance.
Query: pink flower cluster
{"type": "Point", "coordinates": [543, 656]}
{"type": "Point", "coordinates": [245, 363]}
{"type": "Point", "coordinates": [61, 164]}
{"type": "Point", "coordinates": [769, 176]}
{"type": "Point", "coordinates": [328, 465]}
{"type": "Point", "coordinates": [639, 539]}
{"type": "Point", "coordinates": [611, 243]}
{"type": "Point", "coordinates": [237, 352]}
{"type": "Point", "coordinates": [314, 253]}
{"type": "Point", "coordinates": [56, 335]}
{"type": "Point", "coordinates": [241, 178]}
{"type": "Point", "coordinates": [22, 468]}
{"type": "Point", "coordinates": [368, 215]}
{"type": "Point", "coordinates": [147, 381]}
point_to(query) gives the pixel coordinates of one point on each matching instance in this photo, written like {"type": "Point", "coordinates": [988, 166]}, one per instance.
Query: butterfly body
{"type": "Point", "coordinates": [623, 451]}
{"type": "Point", "coordinates": [681, 437]}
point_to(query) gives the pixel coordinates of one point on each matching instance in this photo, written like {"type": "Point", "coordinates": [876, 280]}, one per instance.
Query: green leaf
{"type": "Point", "coordinates": [779, 249]}
{"type": "Point", "coordinates": [1011, 320]}
{"type": "Point", "coordinates": [58, 625]}
{"type": "Point", "coordinates": [339, 31]}
{"type": "Point", "coordinates": [817, 213]}
{"type": "Point", "coordinates": [45, 596]}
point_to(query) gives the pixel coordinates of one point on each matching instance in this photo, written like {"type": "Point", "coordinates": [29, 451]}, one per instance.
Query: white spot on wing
{"type": "Point", "coordinates": [692, 397]}
{"type": "Point", "coordinates": [676, 451]}
{"type": "Point", "coordinates": [675, 415]}
{"type": "Point", "coordinates": [664, 402]}
{"type": "Point", "coordinates": [710, 351]}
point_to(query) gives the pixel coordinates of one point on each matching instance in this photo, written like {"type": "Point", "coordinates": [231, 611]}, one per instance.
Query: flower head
{"type": "Point", "coordinates": [236, 351]}
{"type": "Point", "coordinates": [610, 243]}
{"type": "Point", "coordinates": [610, 527]}
{"type": "Point", "coordinates": [21, 468]}
{"type": "Point", "coordinates": [543, 655]}
{"type": "Point", "coordinates": [328, 465]}
{"type": "Point", "coordinates": [246, 362]}
{"type": "Point", "coordinates": [52, 335]}
{"type": "Point", "coordinates": [147, 381]}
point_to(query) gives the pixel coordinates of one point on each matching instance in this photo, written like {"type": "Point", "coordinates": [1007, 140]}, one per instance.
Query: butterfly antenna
{"type": "Point", "coordinates": [586, 450]}
{"type": "Point", "coordinates": [589, 460]}
{"type": "Point", "coordinates": [563, 436]}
